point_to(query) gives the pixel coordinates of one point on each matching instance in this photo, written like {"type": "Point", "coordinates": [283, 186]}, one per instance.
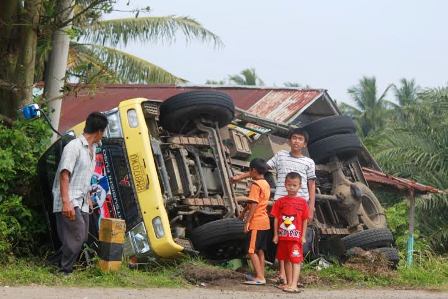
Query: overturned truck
{"type": "Point", "coordinates": [164, 168]}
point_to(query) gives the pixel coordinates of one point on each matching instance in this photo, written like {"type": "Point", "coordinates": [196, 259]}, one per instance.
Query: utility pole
{"type": "Point", "coordinates": [57, 65]}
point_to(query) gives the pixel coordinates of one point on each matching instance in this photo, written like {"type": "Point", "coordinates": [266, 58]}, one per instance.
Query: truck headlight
{"type": "Point", "coordinates": [139, 239]}
{"type": "Point", "coordinates": [158, 227]}
{"type": "Point", "coordinates": [114, 127]}
{"type": "Point", "coordinates": [132, 118]}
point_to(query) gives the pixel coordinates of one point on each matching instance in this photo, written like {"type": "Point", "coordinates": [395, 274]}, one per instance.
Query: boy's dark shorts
{"type": "Point", "coordinates": [257, 240]}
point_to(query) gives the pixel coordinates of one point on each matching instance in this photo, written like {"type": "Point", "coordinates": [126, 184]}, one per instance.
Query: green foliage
{"type": "Point", "coordinates": [25, 272]}
{"type": "Point", "coordinates": [428, 271]}
{"type": "Point", "coordinates": [415, 146]}
{"type": "Point", "coordinates": [406, 93]}
{"type": "Point", "coordinates": [370, 110]}
{"type": "Point", "coordinates": [246, 77]}
{"type": "Point", "coordinates": [97, 59]}
{"type": "Point", "coordinates": [20, 224]}
{"type": "Point", "coordinates": [99, 64]}
{"type": "Point", "coordinates": [397, 220]}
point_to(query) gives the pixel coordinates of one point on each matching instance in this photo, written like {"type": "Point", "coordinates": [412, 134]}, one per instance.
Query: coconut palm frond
{"type": "Point", "coordinates": [246, 77]}
{"type": "Point", "coordinates": [373, 108]}
{"type": "Point", "coordinates": [406, 93]}
{"type": "Point", "coordinates": [147, 29]}
{"type": "Point", "coordinates": [349, 110]}
{"type": "Point", "coordinates": [88, 67]}
{"type": "Point", "coordinates": [131, 69]}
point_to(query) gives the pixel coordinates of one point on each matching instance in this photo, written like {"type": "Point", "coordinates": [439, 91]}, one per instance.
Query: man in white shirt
{"type": "Point", "coordinates": [71, 190]}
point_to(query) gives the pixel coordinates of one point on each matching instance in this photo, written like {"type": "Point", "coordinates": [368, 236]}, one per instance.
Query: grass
{"type": "Point", "coordinates": [26, 272]}
{"type": "Point", "coordinates": [430, 272]}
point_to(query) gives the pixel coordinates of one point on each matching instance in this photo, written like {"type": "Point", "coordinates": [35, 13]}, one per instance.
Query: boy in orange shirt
{"type": "Point", "coordinates": [290, 223]}
{"type": "Point", "coordinates": [256, 219]}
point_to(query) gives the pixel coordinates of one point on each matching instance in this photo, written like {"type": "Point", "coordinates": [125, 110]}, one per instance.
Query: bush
{"type": "Point", "coordinates": [21, 220]}
{"type": "Point", "coordinates": [397, 220]}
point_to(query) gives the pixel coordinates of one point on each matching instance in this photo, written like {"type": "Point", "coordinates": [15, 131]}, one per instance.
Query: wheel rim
{"type": "Point", "coordinates": [371, 210]}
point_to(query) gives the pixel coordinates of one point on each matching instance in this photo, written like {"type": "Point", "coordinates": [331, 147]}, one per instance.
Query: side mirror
{"type": "Point", "coordinates": [31, 111]}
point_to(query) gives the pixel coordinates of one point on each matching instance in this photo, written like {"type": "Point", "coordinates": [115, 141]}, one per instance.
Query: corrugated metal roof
{"type": "Point", "coordinates": [75, 108]}
{"type": "Point", "coordinates": [281, 105]}
{"type": "Point", "coordinates": [379, 177]}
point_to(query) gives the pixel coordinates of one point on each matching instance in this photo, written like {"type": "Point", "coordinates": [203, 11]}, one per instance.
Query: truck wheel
{"type": "Point", "coordinates": [178, 113]}
{"type": "Point", "coordinates": [341, 145]}
{"type": "Point", "coordinates": [329, 126]}
{"type": "Point", "coordinates": [369, 239]}
{"type": "Point", "coordinates": [391, 254]}
{"type": "Point", "coordinates": [220, 239]}
{"type": "Point", "coordinates": [371, 211]}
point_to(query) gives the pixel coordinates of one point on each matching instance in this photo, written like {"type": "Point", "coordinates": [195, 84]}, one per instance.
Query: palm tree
{"type": "Point", "coordinates": [246, 77]}
{"type": "Point", "coordinates": [407, 92]}
{"type": "Point", "coordinates": [297, 85]}
{"type": "Point", "coordinates": [417, 148]}
{"type": "Point", "coordinates": [215, 82]}
{"type": "Point", "coordinates": [95, 53]}
{"type": "Point", "coordinates": [93, 50]}
{"type": "Point", "coordinates": [369, 110]}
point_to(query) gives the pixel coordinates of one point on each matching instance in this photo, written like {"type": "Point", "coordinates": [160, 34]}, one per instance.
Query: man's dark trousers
{"type": "Point", "coordinates": [72, 234]}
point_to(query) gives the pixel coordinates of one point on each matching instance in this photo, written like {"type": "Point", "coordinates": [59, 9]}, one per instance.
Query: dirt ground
{"type": "Point", "coordinates": [197, 292]}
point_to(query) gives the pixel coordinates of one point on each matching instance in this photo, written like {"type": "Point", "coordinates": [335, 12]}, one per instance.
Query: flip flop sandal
{"type": "Point", "coordinates": [289, 290]}
{"type": "Point", "coordinates": [255, 282]}
{"type": "Point", "coordinates": [281, 286]}
{"type": "Point", "coordinates": [279, 281]}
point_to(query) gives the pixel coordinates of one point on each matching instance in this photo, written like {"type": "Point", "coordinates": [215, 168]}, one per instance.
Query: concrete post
{"type": "Point", "coordinates": [410, 247]}
{"type": "Point", "coordinates": [57, 65]}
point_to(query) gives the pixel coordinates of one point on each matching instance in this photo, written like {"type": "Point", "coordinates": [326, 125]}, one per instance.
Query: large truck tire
{"type": "Point", "coordinates": [179, 113]}
{"type": "Point", "coordinates": [371, 212]}
{"type": "Point", "coordinates": [369, 239]}
{"type": "Point", "coordinates": [328, 126]}
{"type": "Point", "coordinates": [341, 145]}
{"type": "Point", "coordinates": [218, 231]}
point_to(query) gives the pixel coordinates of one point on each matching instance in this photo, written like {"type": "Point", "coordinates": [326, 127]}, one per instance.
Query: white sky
{"type": "Point", "coordinates": [323, 43]}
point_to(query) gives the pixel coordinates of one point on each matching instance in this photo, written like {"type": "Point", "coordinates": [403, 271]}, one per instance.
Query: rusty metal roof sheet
{"type": "Point", "coordinates": [379, 177]}
{"type": "Point", "coordinates": [282, 105]}
{"type": "Point", "coordinates": [75, 108]}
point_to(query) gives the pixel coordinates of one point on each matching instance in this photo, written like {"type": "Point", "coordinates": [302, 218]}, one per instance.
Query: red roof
{"type": "Point", "coordinates": [379, 177]}
{"type": "Point", "coordinates": [75, 108]}
{"type": "Point", "coordinates": [284, 104]}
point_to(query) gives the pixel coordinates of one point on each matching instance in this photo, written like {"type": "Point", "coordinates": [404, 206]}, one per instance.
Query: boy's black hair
{"type": "Point", "coordinates": [259, 165]}
{"type": "Point", "coordinates": [96, 121]}
{"type": "Point", "coordinates": [299, 131]}
{"type": "Point", "coordinates": [293, 175]}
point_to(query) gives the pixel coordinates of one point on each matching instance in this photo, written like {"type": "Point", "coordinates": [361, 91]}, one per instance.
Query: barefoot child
{"type": "Point", "coordinates": [256, 219]}
{"type": "Point", "coordinates": [290, 223]}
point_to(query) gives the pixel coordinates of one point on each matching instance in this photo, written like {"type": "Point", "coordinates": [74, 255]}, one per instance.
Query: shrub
{"type": "Point", "coordinates": [21, 220]}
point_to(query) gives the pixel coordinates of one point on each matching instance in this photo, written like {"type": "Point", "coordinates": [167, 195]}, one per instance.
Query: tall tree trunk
{"type": "Point", "coordinates": [19, 22]}
{"type": "Point", "coordinates": [26, 62]}
{"type": "Point", "coordinates": [54, 81]}
{"type": "Point", "coordinates": [9, 41]}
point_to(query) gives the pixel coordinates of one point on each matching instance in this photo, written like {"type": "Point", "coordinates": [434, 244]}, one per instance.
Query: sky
{"type": "Point", "coordinates": [321, 43]}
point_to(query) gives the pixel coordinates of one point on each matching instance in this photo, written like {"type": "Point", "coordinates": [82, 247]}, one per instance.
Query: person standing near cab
{"type": "Point", "coordinates": [71, 191]}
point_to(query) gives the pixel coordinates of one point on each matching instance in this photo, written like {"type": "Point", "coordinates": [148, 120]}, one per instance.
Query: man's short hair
{"type": "Point", "coordinates": [259, 165]}
{"type": "Point", "coordinates": [299, 131]}
{"type": "Point", "coordinates": [96, 121]}
{"type": "Point", "coordinates": [293, 175]}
